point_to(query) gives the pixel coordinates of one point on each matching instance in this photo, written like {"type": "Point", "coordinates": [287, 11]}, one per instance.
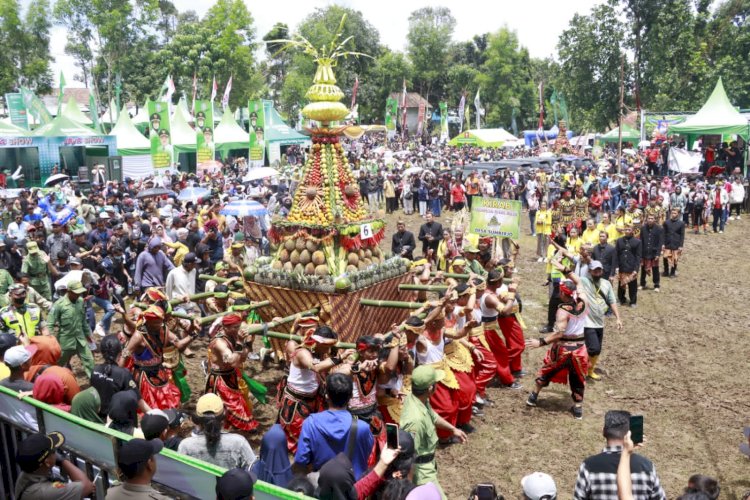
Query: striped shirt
{"type": "Point", "coordinates": [597, 477]}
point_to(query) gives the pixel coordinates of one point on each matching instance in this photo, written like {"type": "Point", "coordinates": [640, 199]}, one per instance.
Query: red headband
{"type": "Point", "coordinates": [564, 289]}
{"type": "Point", "coordinates": [231, 319]}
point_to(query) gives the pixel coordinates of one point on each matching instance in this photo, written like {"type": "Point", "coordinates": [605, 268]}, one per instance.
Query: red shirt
{"type": "Point", "coordinates": [457, 193]}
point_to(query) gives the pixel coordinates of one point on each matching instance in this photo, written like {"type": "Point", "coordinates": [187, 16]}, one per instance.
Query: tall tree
{"type": "Point", "coordinates": [428, 45]}
{"type": "Point", "coordinates": [277, 60]}
{"type": "Point", "coordinates": [25, 57]}
{"type": "Point", "coordinates": [387, 76]}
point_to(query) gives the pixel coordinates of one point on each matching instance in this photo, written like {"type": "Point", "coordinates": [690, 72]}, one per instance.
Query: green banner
{"type": "Point", "coordinates": [94, 111]}
{"type": "Point", "coordinates": [204, 133]}
{"type": "Point", "coordinates": [391, 113]}
{"type": "Point", "coordinates": [257, 133]}
{"type": "Point", "coordinates": [495, 217]}
{"type": "Point", "coordinates": [443, 121]}
{"type": "Point", "coordinates": [17, 110]}
{"type": "Point", "coordinates": [162, 152]}
{"type": "Point", "coordinates": [35, 106]}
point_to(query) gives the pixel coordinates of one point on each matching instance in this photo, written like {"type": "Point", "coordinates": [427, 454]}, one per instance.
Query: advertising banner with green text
{"type": "Point", "coordinates": [444, 121]}
{"type": "Point", "coordinates": [495, 217]}
{"type": "Point", "coordinates": [17, 110]}
{"type": "Point", "coordinates": [204, 135]}
{"type": "Point", "coordinates": [35, 106]}
{"type": "Point", "coordinates": [162, 152]}
{"type": "Point", "coordinates": [391, 115]}
{"type": "Point", "coordinates": [257, 133]}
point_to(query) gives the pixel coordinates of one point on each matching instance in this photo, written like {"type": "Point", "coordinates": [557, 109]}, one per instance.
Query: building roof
{"type": "Point", "coordinates": [413, 99]}
{"type": "Point", "coordinates": [81, 96]}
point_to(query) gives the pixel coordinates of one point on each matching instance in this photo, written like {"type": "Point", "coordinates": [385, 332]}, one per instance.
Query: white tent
{"type": "Point", "coordinates": [229, 135]}
{"type": "Point", "coordinates": [182, 105]}
{"type": "Point", "coordinates": [141, 118]}
{"type": "Point", "coordinates": [134, 148]}
{"type": "Point", "coordinates": [105, 117]}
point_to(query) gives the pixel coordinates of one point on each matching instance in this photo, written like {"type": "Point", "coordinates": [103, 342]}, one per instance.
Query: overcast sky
{"type": "Point", "coordinates": [537, 22]}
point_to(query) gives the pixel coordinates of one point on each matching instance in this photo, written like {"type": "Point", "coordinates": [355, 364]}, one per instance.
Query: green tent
{"type": "Point", "coordinates": [129, 140]}
{"type": "Point", "coordinates": [62, 126]}
{"type": "Point", "coordinates": [73, 112]}
{"type": "Point", "coordinates": [10, 130]}
{"type": "Point", "coordinates": [229, 135]}
{"type": "Point", "coordinates": [629, 134]}
{"type": "Point", "coordinates": [485, 138]}
{"type": "Point", "coordinates": [716, 117]}
{"type": "Point", "coordinates": [183, 135]}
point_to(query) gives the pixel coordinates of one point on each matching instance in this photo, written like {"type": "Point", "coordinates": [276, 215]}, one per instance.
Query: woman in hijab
{"type": "Point", "coordinates": [86, 405]}
{"type": "Point", "coordinates": [122, 414]}
{"type": "Point", "coordinates": [49, 389]}
{"type": "Point", "coordinates": [336, 480]}
{"type": "Point", "coordinates": [273, 465]}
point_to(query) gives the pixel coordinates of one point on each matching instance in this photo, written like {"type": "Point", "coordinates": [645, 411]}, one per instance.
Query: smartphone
{"type": "Point", "coordinates": [391, 435]}
{"type": "Point", "coordinates": [636, 428]}
{"type": "Point", "coordinates": [485, 492]}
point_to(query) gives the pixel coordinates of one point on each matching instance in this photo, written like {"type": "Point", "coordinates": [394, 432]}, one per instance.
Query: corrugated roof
{"type": "Point", "coordinates": [413, 99]}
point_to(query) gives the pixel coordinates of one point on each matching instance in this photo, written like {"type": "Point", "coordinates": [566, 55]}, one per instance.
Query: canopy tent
{"type": "Point", "coordinates": [486, 137]}
{"type": "Point", "coordinates": [105, 117]}
{"type": "Point", "coordinates": [629, 134]}
{"type": "Point", "coordinates": [531, 136]}
{"type": "Point", "coordinates": [62, 126]}
{"type": "Point", "coordinates": [129, 140]}
{"type": "Point", "coordinates": [183, 135]}
{"type": "Point", "coordinates": [182, 105]}
{"type": "Point", "coordinates": [73, 112]}
{"type": "Point", "coordinates": [10, 130]}
{"type": "Point", "coordinates": [141, 119]}
{"type": "Point", "coordinates": [278, 134]}
{"type": "Point", "coordinates": [229, 135]}
{"type": "Point", "coordinates": [716, 117]}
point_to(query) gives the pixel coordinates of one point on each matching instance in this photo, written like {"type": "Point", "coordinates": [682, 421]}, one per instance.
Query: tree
{"type": "Point", "coordinates": [387, 76]}
{"type": "Point", "coordinates": [428, 42]}
{"type": "Point", "coordinates": [25, 58]}
{"type": "Point", "coordinates": [277, 60]}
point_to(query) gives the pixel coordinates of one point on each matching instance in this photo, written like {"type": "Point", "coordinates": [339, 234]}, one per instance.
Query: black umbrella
{"type": "Point", "coordinates": [153, 192]}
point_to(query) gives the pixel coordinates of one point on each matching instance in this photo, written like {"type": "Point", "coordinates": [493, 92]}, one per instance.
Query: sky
{"type": "Point", "coordinates": [538, 23]}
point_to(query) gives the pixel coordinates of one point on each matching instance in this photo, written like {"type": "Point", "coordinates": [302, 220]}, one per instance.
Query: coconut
{"type": "Point", "coordinates": [311, 246]}
{"type": "Point", "coordinates": [304, 257]}
{"type": "Point", "coordinates": [368, 253]}
{"type": "Point", "coordinates": [299, 269]}
{"type": "Point", "coordinates": [300, 244]}
{"type": "Point", "coordinates": [367, 262]}
{"type": "Point", "coordinates": [318, 258]}
{"type": "Point", "coordinates": [289, 244]}
{"type": "Point", "coordinates": [277, 264]}
{"type": "Point", "coordinates": [353, 259]}
{"type": "Point", "coordinates": [375, 260]}
{"type": "Point", "coordinates": [321, 270]}
{"type": "Point", "coordinates": [311, 192]}
{"type": "Point", "coordinates": [310, 268]}
{"type": "Point", "coordinates": [284, 255]}
{"type": "Point", "coordinates": [351, 269]}
{"type": "Point", "coordinates": [343, 284]}
{"type": "Point", "coordinates": [294, 257]}
{"type": "Point", "coordinates": [288, 267]}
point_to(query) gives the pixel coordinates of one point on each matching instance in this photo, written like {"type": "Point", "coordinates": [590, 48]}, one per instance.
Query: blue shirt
{"type": "Point", "coordinates": [150, 269]}
{"type": "Point", "coordinates": [326, 434]}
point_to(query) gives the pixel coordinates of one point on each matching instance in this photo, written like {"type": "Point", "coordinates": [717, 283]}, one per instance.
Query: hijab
{"type": "Point", "coordinates": [49, 389]}
{"type": "Point", "coordinates": [86, 405]}
{"type": "Point", "coordinates": [122, 412]}
{"type": "Point", "coordinates": [336, 480]}
{"type": "Point", "coordinates": [273, 465]}
{"type": "Point", "coordinates": [428, 491]}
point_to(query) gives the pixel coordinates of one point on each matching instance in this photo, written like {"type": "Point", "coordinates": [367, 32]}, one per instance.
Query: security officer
{"type": "Point", "coordinates": [37, 265]}
{"type": "Point", "coordinates": [32, 296]}
{"type": "Point", "coordinates": [68, 323]}
{"type": "Point", "coordinates": [36, 456]}
{"type": "Point", "coordinates": [22, 319]}
{"type": "Point", "coordinates": [137, 463]}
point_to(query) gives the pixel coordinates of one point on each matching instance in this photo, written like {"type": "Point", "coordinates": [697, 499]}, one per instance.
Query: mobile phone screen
{"type": "Point", "coordinates": [636, 428]}
{"type": "Point", "coordinates": [486, 492]}
{"type": "Point", "coordinates": [391, 435]}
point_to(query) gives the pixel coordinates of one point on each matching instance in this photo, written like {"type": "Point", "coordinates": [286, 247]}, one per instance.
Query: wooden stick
{"type": "Point", "coordinates": [297, 338]}
{"type": "Point", "coordinates": [429, 288]}
{"type": "Point", "coordinates": [220, 280]}
{"type": "Point", "coordinates": [249, 307]}
{"type": "Point", "coordinates": [390, 303]}
{"type": "Point", "coordinates": [272, 324]}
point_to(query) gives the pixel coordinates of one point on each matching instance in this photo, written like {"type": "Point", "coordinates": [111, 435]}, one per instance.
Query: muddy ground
{"type": "Point", "coordinates": [681, 361]}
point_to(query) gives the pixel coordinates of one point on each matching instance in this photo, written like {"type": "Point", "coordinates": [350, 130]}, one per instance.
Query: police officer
{"type": "Point", "coordinates": [138, 465]}
{"type": "Point", "coordinates": [36, 456]}
{"type": "Point", "coordinates": [20, 318]}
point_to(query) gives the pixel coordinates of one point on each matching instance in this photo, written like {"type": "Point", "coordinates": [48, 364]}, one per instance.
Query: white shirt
{"type": "Point", "coordinates": [180, 283]}
{"type": "Point", "coordinates": [18, 231]}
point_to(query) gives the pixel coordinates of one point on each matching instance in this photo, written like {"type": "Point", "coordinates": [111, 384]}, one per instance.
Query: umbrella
{"type": "Point", "coordinates": [412, 170]}
{"type": "Point", "coordinates": [158, 191]}
{"type": "Point", "coordinates": [260, 173]}
{"type": "Point", "coordinates": [629, 151]}
{"type": "Point", "coordinates": [193, 194]}
{"type": "Point", "coordinates": [547, 154]}
{"type": "Point", "coordinates": [244, 208]}
{"type": "Point", "coordinates": [56, 179]}
{"type": "Point", "coordinates": [644, 144]}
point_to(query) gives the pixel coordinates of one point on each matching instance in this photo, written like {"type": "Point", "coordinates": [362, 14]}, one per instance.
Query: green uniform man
{"type": "Point", "coordinates": [67, 322]}
{"type": "Point", "coordinates": [418, 418]}
{"type": "Point", "coordinates": [6, 280]}
{"type": "Point", "coordinates": [472, 261]}
{"type": "Point", "coordinates": [37, 266]}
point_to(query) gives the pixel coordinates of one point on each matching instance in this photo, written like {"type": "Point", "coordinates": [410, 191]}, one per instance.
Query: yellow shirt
{"type": "Point", "coordinates": [611, 230]}
{"type": "Point", "coordinates": [4, 371]}
{"type": "Point", "coordinates": [590, 236]}
{"type": "Point", "coordinates": [620, 223]}
{"type": "Point", "coordinates": [574, 245]}
{"type": "Point", "coordinates": [544, 222]}
{"type": "Point", "coordinates": [182, 251]}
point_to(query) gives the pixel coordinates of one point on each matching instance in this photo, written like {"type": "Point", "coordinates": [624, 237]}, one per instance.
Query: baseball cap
{"type": "Point", "coordinates": [7, 340]}
{"type": "Point", "coordinates": [104, 215]}
{"type": "Point", "coordinates": [424, 376]}
{"type": "Point", "coordinates": [17, 289]}
{"type": "Point", "coordinates": [235, 484]}
{"type": "Point", "coordinates": [471, 249]}
{"type": "Point", "coordinates": [74, 260]}
{"type": "Point", "coordinates": [155, 242]}
{"type": "Point", "coordinates": [32, 247]}
{"type": "Point", "coordinates": [595, 264]}
{"type": "Point", "coordinates": [191, 258]}
{"type": "Point", "coordinates": [76, 287]}
{"type": "Point", "coordinates": [19, 354]}
{"type": "Point", "coordinates": [153, 424]}
{"type": "Point", "coordinates": [135, 452]}
{"type": "Point", "coordinates": [220, 265]}
{"type": "Point", "coordinates": [210, 403]}
{"type": "Point", "coordinates": [539, 485]}
{"type": "Point", "coordinates": [36, 448]}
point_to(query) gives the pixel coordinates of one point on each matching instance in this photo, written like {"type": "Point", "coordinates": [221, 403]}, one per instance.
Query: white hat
{"type": "Point", "coordinates": [539, 485]}
{"type": "Point", "coordinates": [18, 355]}
{"type": "Point", "coordinates": [104, 215]}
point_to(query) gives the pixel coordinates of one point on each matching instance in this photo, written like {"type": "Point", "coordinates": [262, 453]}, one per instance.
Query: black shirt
{"type": "Point", "coordinates": [119, 379]}
{"type": "Point", "coordinates": [401, 240]}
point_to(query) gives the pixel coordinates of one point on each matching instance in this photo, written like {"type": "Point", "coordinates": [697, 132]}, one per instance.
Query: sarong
{"type": "Point", "coordinates": [294, 408]}
{"type": "Point", "coordinates": [566, 364]}
{"type": "Point", "coordinates": [232, 389]}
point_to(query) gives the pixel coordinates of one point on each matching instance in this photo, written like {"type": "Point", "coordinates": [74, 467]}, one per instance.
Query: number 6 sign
{"type": "Point", "coordinates": [365, 231]}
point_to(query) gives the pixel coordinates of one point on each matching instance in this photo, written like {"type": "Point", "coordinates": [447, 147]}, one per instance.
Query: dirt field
{"type": "Point", "coordinates": [680, 361]}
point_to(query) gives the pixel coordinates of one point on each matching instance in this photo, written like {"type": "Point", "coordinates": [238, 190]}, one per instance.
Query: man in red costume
{"type": "Point", "coordinates": [492, 307]}
{"type": "Point", "coordinates": [147, 348]}
{"type": "Point", "coordinates": [227, 353]}
{"type": "Point", "coordinates": [511, 327]}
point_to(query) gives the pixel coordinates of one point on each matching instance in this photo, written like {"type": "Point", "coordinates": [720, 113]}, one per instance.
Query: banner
{"type": "Point", "coordinates": [35, 106]}
{"type": "Point", "coordinates": [94, 111]}
{"type": "Point", "coordinates": [257, 134]}
{"type": "Point", "coordinates": [420, 117]}
{"type": "Point", "coordinates": [461, 111]}
{"type": "Point", "coordinates": [684, 161]}
{"type": "Point", "coordinates": [495, 217]}
{"type": "Point", "coordinates": [17, 110]}
{"type": "Point", "coordinates": [391, 115]}
{"type": "Point", "coordinates": [204, 134]}
{"type": "Point", "coordinates": [162, 152]}
{"type": "Point", "coordinates": [444, 121]}
{"type": "Point", "coordinates": [480, 110]}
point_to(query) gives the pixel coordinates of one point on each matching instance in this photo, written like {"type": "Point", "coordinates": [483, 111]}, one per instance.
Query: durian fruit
{"type": "Point", "coordinates": [289, 244]}
{"type": "Point", "coordinates": [318, 258]}
{"type": "Point", "coordinates": [300, 244]}
{"type": "Point", "coordinates": [321, 270]}
{"type": "Point", "coordinates": [304, 257]}
{"type": "Point", "coordinates": [353, 259]}
{"type": "Point", "coordinates": [310, 268]}
{"type": "Point", "coordinates": [311, 246]}
{"type": "Point", "coordinates": [294, 257]}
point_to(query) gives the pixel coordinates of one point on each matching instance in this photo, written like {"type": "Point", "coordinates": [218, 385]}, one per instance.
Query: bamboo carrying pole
{"type": "Point", "coordinates": [464, 276]}
{"type": "Point", "coordinates": [429, 288]}
{"type": "Point", "coordinates": [391, 303]}
{"type": "Point", "coordinates": [220, 280]}
{"type": "Point", "coordinates": [297, 338]}
{"type": "Point", "coordinates": [272, 324]}
{"type": "Point", "coordinates": [249, 307]}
